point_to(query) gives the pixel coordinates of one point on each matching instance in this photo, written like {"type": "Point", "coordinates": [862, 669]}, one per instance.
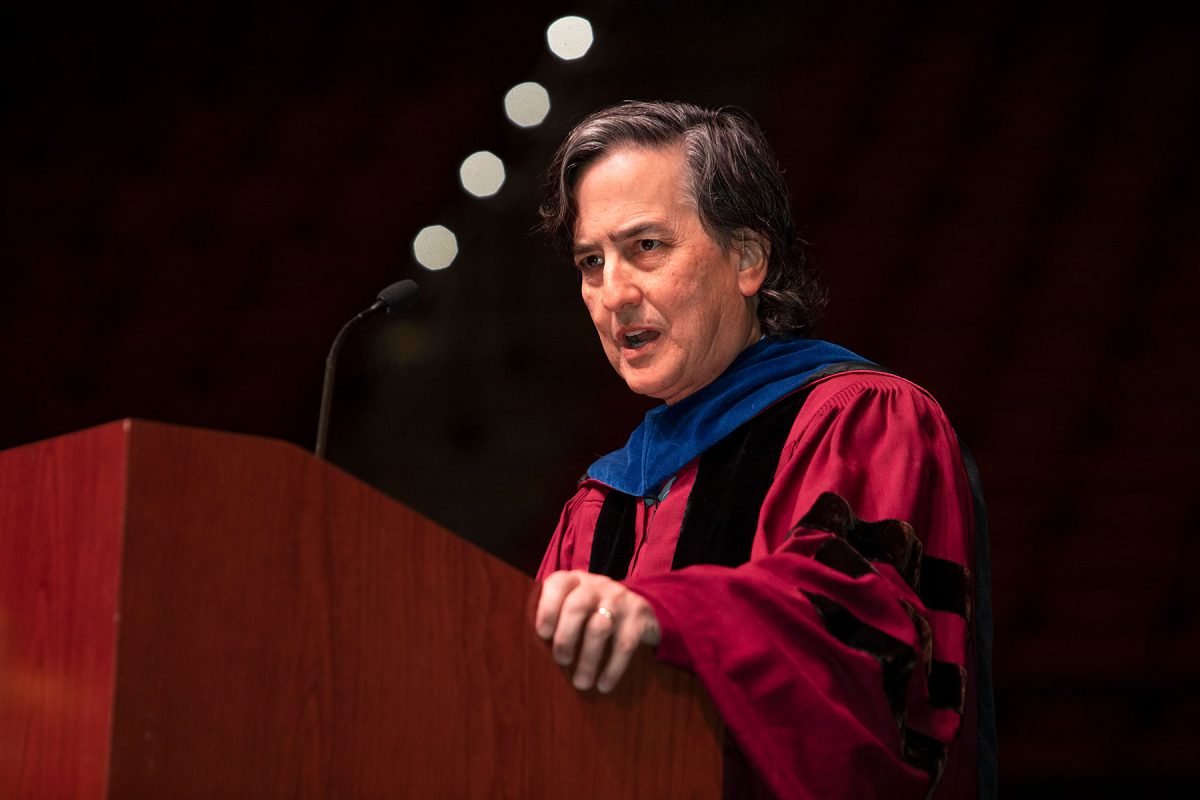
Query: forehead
{"type": "Point", "coordinates": [631, 185]}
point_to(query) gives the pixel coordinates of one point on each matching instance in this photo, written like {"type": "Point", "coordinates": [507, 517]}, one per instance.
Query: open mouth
{"type": "Point", "coordinates": [638, 339]}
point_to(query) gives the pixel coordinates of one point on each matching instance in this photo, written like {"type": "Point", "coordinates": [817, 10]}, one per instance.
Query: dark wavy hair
{"type": "Point", "coordinates": [735, 183]}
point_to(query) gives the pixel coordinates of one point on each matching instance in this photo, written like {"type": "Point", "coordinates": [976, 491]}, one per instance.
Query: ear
{"type": "Point", "coordinates": [754, 253]}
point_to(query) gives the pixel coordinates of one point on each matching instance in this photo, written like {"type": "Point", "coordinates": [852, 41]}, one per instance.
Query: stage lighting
{"type": "Point", "coordinates": [569, 37]}
{"type": "Point", "coordinates": [435, 247]}
{"type": "Point", "coordinates": [482, 174]}
{"type": "Point", "coordinates": [527, 104]}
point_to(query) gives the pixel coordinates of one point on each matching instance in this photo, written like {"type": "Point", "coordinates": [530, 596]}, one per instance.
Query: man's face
{"type": "Point", "coordinates": [673, 309]}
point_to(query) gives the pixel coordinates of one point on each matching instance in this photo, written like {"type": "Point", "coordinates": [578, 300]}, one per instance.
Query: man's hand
{"type": "Point", "coordinates": [578, 604]}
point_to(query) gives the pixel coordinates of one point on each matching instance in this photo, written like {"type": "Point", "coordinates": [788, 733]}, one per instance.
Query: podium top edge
{"type": "Point", "coordinates": [129, 427]}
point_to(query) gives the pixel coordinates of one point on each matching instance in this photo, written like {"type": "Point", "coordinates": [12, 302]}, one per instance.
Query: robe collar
{"type": "Point", "coordinates": [672, 435]}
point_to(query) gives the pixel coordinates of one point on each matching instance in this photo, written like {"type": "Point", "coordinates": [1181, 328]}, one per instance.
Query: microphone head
{"type": "Point", "coordinates": [400, 296]}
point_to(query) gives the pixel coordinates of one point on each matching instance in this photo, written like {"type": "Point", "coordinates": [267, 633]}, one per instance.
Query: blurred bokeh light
{"type": "Point", "coordinates": [569, 38]}
{"type": "Point", "coordinates": [527, 104]}
{"type": "Point", "coordinates": [435, 247]}
{"type": "Point", "coordinates": [482, 173]}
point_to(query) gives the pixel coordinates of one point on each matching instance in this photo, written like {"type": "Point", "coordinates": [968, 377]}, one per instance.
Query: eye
{"type": "Point", "coordinates": [646, 245]}
{"type": "Point", "coordinates": [591, 262]}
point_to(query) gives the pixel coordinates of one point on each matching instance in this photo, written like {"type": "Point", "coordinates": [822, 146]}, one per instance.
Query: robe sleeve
{"type": "Point", "coordinates": [566, 549]}
{"type": "Point", "coordinates": [838, 655]}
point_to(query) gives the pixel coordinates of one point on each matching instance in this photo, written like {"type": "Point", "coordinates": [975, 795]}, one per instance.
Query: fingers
{"type": "Point", "coordinates": [624, 642]}
{"type": "Point", "coordinates": [598, 628]}
{"type": "Point", "coordinates": [554, 591]}
{"type": "Point", "coordinates": [638, 626]}
{"type": "Point", "coordinates": [577, 620]}
{"type": "Point", "coordinates": [566, 601]}
{"type": "Point", "coordinates": [568, 614]}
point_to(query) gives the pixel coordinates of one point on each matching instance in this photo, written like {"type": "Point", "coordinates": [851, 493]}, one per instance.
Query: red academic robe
{"type": "Point", "coordinates": [788, 644]}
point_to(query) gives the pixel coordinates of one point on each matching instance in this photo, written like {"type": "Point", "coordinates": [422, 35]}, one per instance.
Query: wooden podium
{"type": "Point", "coordinates": [186, 613]}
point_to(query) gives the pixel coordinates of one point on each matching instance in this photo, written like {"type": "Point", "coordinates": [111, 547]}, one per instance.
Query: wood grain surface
{"type": "Point", "coordinates": [287, 631]}
{"type": "Point", "coordinates": [61, 503]}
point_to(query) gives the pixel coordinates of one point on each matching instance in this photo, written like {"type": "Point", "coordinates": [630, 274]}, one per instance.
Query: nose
{"type": "Point", "coordinates": [621, 288]}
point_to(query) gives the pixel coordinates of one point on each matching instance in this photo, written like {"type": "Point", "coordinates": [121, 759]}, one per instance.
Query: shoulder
{"type": "Point", "coordinates": [845, 388]}
{"type": "Point", "coordinates": [870, 405]}
{"type": "Point", "coordinates": [879, 441]}
{"type": "Point", "coordinates": [869, 390]}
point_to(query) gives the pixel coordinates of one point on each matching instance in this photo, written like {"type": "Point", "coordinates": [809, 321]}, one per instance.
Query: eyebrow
{"type": "Point", "coordinates": [632, 232]}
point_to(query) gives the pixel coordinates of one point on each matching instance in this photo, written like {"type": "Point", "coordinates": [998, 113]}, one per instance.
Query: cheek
{"type": "Point", "coordinates": [689, 301]}
{"type": "Point", "coordinates": [591, 302]}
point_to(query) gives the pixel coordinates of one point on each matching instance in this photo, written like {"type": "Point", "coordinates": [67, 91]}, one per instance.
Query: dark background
{"type": "Point", "coordinates": [1002, 202]}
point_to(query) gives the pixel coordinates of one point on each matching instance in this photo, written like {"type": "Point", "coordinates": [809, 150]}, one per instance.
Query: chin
{"type": "Point", "coordinates": [638, 388]}
{"type": "Point", "coordinates": [637, 384]}
{"type": "Point", "coordinates": [643, 385]}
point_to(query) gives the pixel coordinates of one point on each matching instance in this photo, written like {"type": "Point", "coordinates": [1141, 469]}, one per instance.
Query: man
{"type": "Point", "coordinates": [793, 524]}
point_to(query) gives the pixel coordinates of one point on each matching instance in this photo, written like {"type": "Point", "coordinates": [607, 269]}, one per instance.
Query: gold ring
{"type": "Point", "coordinates": [604, 612]}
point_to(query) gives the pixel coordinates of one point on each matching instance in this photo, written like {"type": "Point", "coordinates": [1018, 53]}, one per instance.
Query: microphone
{"type": "Point", "coordinates": [400, 296]}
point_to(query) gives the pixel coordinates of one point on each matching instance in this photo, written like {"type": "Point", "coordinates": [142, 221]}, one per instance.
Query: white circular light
{"type": "Point", "coordinates": [569, 37]}
{"type": "Point", "coordinates": [435, 247]}
{"type": "Point", "coordinates": [482, 174]}
{"type": "Point", "coordinates": [527, 104]}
